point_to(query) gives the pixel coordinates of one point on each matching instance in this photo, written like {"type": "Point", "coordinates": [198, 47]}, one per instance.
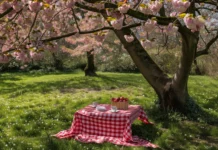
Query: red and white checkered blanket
{"type": "Point", "coordinates": [91, 125]}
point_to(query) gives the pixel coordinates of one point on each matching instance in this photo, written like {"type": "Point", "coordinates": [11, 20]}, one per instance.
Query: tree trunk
{"type": "Point", "coordinates": [90, 66]}
{"type": "Point", "coordinates": [172, 92]}
{"type": "Point", "coordinates": [58, 64]}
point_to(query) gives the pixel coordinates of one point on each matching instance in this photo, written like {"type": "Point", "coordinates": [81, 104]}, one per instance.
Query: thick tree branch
{"type": "Point", "coordinates": [50, 21]}
{"type": "Point", "coordinates": [141, 16]}
{"type": "Point", "coordinates": [133, 13]}
{"type": "Point", "coordinates": [59, 37]}
{"type": "Point", "coordinates": [87, 7]}
{"type": "Point", "coordinates": [206, 50]}
{"type": "Point", "coordinates": [87, 32]}
{"type": "Point", "coordinates": [6, 12]}
{"type": "Point", "coordinates": [73, 33]}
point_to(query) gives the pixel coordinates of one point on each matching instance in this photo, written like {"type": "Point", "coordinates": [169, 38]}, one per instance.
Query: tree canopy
{"type": "Point", "coordinates": [30, 26]}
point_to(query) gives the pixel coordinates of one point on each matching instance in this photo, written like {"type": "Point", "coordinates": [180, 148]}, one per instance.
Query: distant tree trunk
{"type": "Point", "coordinates": [172, 92]}
{"type": "Point", "coordinates": [90, 66]}
{"type": "Point", "coordinates": [58, 64]}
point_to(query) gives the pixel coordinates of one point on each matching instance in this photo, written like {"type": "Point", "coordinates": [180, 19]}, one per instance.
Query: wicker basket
{"type": "Point", "coordinates": [120, 105]}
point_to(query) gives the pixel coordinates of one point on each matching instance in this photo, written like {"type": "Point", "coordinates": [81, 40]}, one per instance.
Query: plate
{"type": "Point", "coordinates": [100, 108]}
{"type": "Point", "coordinates": [93, 106]}
{"type": "Point", "coordinates": [114, 111]}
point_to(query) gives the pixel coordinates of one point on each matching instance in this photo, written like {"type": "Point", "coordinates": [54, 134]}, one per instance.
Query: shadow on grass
{"type": "Point", "coordinates": [12, 78]}
{"type": "Point", "coordinates": [199, 115]}
{"type": "Point", "coordinates": [148, 132]}
{"type": "Point", "coordinates": [52, 143]}
{"type": "Point", "coordinates": [181, 132]}
{"type": "Point", "coordinates": [78, 82]}
{"type": "Point", "coordinates": [212, 103]}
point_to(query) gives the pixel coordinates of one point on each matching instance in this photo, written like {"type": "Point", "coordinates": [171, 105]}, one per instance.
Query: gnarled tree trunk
{"type": "Point", "coordinates": [172, 92]}
{"type": "Point", "coordinates": [90, 66]}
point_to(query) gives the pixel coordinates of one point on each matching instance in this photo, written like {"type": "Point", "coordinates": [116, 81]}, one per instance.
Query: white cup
{"type": "Point", "coordinates": [113, 108]}
{"type": "Point", "coordinates": [94, 104]}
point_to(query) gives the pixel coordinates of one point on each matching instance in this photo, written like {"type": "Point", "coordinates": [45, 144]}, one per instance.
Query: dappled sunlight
{"type": "Point", "coordinates": [66, 83]}
{"type": "Point", "coordinates": [34, 107]}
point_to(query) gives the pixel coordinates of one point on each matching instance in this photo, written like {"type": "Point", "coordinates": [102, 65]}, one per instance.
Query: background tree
{"type": "Point", "coordinates": [86, 44]}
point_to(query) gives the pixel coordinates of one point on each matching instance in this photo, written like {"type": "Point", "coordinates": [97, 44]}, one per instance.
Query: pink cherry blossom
{"type": "Point", "coordinates": [35, 6]}
{"type": "Point", "coordinates": [109, 12]}
{"type": "Point", "coordinates": [190, 22]}
{"type": "Point", "coordinates": [180, 5]}
{"type": "Point", "coordinates": [129, 38]}
{"type": "Point", "coordinates": [17, 5]}
{"type": "Point", "coordinates": [70, 3]}
{"type": "Point", "coordinates": [155, 6]}
{"type": "Point", "coordinates": [36, 55]}
{"type": "Point", "coordinates": [150, 24]}
{"type": "Point", "coordinates": [171, 29]}
{"type": "Point", "coordinates": [145, 9]}
{"type": "Point", "coordinates": [194, 24]}
{"type": "Point", "coordinates": [52, 48]}
{"type": "Point", "coordinates": [173, 14]}
{"type": "Point", "coordinates": [99, 6]}
{"type": "Point", "coordinates": [117, 24]}
{"type": "Point", "coordinates": [21, 56]}
{"type": "Point", "coordinates": [115, 14]}
{"type": "Point", "coordinates": [199, 22]}
{"type": "Point", "coordinates": [146, 43]}
{"type": "Point", "coordinates": [48, 13]}
{"type": "Point", "coordinates": [47, 25]}
{"type": "Point", "coordinates": [4, 6]}
{"type": "Point", "coordinates": [124, 8]}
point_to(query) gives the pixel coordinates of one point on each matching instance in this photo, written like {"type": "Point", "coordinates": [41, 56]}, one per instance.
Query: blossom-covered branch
{"type": "Point", "coordinates": [131, 12]}
{"type": "Point", "coordinates": [87, 32]}
{"type": "Point", "coordinates": [6, 12]}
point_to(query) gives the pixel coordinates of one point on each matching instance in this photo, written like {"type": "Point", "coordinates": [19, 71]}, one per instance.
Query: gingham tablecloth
{"type": "Point", "coordinates": [91, 125]}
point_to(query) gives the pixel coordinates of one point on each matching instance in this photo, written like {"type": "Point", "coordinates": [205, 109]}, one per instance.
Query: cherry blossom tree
{"type": "Point", "coordinates": [86, 44]}
{"type": "Point", "coordinates": [30, 26]}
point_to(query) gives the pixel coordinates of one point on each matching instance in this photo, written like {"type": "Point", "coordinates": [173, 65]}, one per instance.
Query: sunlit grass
{"type": "Point", "coordinates": [35, 106]}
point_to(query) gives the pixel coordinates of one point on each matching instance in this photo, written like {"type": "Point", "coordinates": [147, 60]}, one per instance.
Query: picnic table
{"type": "Point", "coordinates": [91, 125]}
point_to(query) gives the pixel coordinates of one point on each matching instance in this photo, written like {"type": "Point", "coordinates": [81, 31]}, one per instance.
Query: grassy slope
{"type": "Point", "coordinates": [32, 107]}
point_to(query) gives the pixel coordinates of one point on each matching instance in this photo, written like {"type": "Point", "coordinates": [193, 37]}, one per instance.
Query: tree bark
{"type": "Point", "coordinates": [58, 64]}
{"type": "Point", "coordinates": [172, 92]}
{"type": "Point", "coordinates": [90, 66]}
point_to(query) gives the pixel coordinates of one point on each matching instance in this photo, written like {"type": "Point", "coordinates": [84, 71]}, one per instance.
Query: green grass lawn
{"type": "Point", "coordinates": [35, 106]}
